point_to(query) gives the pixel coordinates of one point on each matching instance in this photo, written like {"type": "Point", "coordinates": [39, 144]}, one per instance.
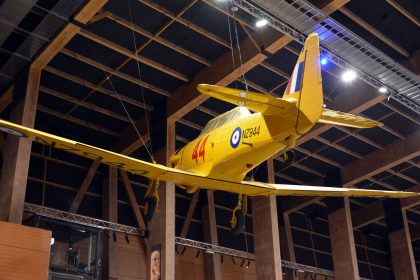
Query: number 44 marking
{"type": "Point", "coordinates": [197, 153]}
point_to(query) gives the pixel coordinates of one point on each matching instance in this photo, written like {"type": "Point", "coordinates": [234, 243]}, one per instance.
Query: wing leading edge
{"type": "Point", "coordinates": [186, 178]}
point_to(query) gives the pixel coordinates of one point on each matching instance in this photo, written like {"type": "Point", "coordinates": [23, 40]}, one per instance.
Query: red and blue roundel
{"type": "Point", "coordinates": [235, 137]}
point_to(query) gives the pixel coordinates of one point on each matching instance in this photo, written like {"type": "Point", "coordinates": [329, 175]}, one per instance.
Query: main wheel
{"type": "Point", "coordinates": [150, 208]}
{"type": "Point", "coordinates": [238, 222]}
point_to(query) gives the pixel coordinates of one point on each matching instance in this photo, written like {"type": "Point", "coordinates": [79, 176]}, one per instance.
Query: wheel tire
{"type": "Point", "coordinates": [290, 159]}
{"type": "Point", "coordinates": [240, 223]}
{"type": "Point", "coordinates": [150, 208]}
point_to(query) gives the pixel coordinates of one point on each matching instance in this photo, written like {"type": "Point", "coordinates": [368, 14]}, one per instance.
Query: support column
{"type": "Point", "coordinates": [341, 232]}
{"type": "Point", "coordinates": [212, 261]}
{"type": "Point", "coordinates": [342, 243]}
{"type": "Point", "coordinates": [286, 248]}
{"type": "Point", "coordinates": [266, 233]}
{"type": "Point", "coordinates": [162, 227]}
{"type": "Point", "coordinates": [110, 213]}
{"type": "Point", "coordinates": [17, 153]}
{"type": "Point", "coordinates": [403, 262]}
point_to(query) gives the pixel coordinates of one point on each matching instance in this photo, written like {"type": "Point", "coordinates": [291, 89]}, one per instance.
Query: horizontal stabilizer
{"type": "Point", "coordinates": [258, 102]}
{"type": "Point", "coordinates": [344, 119]}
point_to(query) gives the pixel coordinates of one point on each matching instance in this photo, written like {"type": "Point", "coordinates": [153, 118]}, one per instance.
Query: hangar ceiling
{"type": "Point", "coordinates": [149, 55]}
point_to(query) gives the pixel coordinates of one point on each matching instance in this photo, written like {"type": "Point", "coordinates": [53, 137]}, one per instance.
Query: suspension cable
{"type": "Point", "coordinates": [141, 88]}
{"type": "Point", "coordinates": [108, 78]}
{"type": "Point", "coordinates": [239, 48]}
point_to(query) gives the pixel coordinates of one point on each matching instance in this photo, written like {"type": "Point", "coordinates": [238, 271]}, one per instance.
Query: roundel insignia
{"type": "Point", "coordinates": [12, 131]}
{"type": "Point", "coordinates": [235, 137]}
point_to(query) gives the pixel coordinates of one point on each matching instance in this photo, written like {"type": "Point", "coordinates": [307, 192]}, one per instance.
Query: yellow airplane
{"type": "Point", "coordinates": [235, 142]}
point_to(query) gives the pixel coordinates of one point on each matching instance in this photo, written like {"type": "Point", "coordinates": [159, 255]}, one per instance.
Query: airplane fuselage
{"type": "Point", "coordinates": [230, 150]}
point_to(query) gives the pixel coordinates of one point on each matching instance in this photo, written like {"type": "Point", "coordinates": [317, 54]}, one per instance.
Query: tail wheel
{"type": "Point", "coordinates": [237, 223]}
{"type": "Point", "coordinates": [150, 207]}
{"type": "Point", "coordinates": [289, 159]}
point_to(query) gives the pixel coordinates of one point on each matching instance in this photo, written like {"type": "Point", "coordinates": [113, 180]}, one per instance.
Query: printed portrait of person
{"type": "Point", "coordinates": [155, 265]}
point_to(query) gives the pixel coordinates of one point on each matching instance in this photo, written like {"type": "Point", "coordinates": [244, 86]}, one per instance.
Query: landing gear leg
{"type": "Point", "coordinates": [152, 200]}
{"type": "Point", "coordinates": [237, 223]}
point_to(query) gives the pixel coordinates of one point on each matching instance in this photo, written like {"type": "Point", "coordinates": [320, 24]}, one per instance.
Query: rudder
{"type": "Point", "coordinates": [305, 85]}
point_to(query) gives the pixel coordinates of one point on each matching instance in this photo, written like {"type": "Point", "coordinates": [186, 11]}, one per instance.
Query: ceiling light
{"type": "Point", "coordinates": [52, 241]}
{"type": "Point", "coordinates": [383, 89]}
{"type": "Point", "coordinates": [324, 61]}
{"type": "Point", "coordinates": [261, 23]}
{"type": "Point", "coordinates": [348, 76]}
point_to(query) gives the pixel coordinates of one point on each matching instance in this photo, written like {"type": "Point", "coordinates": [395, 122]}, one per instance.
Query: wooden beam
{"type": "Point", "coordinates": [84, 104]}
{"type": "Point", "coordinates": [403, 11]}
{"type": "Point", "coordinates": [117, 73]}
{"type": "Point", "coordinates": [84, 187]}
{"type": "Point", "coordinates": [375, 212]}
{"type": "Point", "coordinates": [81, 122]}
{"type": "Point", "coordinates": [413, 63]}
{"type": "Point", "coordinates": [67, 33]}
{"type": "Point", "coordinates": [375, 32]}
{"type": "Point", "coordinates": [342, 243]}
{"type": "Point", "coordinates": [120, 49]}
{"type": "Point", "coordinates": [14, 173]}
{"type": "Point", "coordinates": [266, 233]}
{"type": "Point", "coordinates": [222, 71]}
{"type": "Point", "coordinates": [96, 88]}
{"type": "Point", "coordinates": [6, 98]}
{"type": "Point", "coordinates": [132, 199]}
{"type": "Point", "coordinates": [401, 251]}
{"type": "Point", "coordinates": [395, 153]}
{"type": "Point", "coordinates": [110, 213]}
{"type": "Point", "coordinates": [190, 212]}
{"type": "Point", "coordinates": [129, 140]}
{"type": "Point", "coordinates": [157, 39]}
{"type": "Point", "coordinates": [186, 23]}
{"type": "Point", "coordinates": [211, 261]}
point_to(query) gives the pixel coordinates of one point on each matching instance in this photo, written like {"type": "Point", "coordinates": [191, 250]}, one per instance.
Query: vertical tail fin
{"type": "Point", "coordinates": [305, 85]}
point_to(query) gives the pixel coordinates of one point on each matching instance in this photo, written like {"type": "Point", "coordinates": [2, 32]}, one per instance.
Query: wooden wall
{"type": "Point", "coordinates": [24, 252]}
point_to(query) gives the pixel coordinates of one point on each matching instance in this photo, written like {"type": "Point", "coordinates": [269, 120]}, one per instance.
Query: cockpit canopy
{"type": "Point", "coordinates": [225, 118]}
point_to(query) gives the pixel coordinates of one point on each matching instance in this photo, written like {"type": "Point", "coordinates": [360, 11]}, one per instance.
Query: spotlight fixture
{"type": "Point", "coordinates": [243, 262]}
{"type": "Point", "coordinates": [126, 239]}
{"type": "Point", "coordinates": [383, 90]}
{"type": "Point", "coordinates": [52, 241]}
{"type": "Point", "coordinates": [348, 76]}
{"type": "Point", "coordinates": [221, 258]}
{"type": "Point", "coordinates": [261, 23]}
{"type": "Point", "coordinates": [114, 236]}
{"type": "Point", "coordinates": [197, 254]}
{"type": "Point", "coordinates": [233, 260]}
{"type": "Point", "coordinates": [208, 251]}
{"type": "Point", "coordinates": [249, 262]}
{"type": "Point", "coordinates": [324, 61]}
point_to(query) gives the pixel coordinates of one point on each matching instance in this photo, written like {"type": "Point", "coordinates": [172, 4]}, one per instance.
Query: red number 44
{"type": "Point", "coordinates": [197, 153]}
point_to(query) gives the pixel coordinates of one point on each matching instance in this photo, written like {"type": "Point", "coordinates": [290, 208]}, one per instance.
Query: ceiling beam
{"type": "Point", "coordinates": [395, 153]}
{"type": "Point", "coordinates": [116, 73]}
{"type": "Point", "coordinates": [375, 32]}
{"type": "Point", "coordinates": [157, 38]}
{"type": "Point", "coordinates": [375, 212]}
{"type": "Point", "coordinates": [403, 11]}
{"type": "Point", "coordinates": [413, 63]}
{"type": "Point", "coordinates": [96, 88]}
{"type": "Point", "coordinates": [222, 71]}
{"type": "Point", "coordinates": [133, 55]}
{"type": "Point", "coordinates": [83, 16]}
{"type": "Point", "coordinates": [190, 25]}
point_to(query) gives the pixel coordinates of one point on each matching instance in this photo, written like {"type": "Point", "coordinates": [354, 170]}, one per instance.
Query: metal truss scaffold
{"type": "Point", "coordinates": [83, 220]}
{"type": "Point", "coordinates": [214, 249]}
{"type": "Point", "coordinates": [342, 47]}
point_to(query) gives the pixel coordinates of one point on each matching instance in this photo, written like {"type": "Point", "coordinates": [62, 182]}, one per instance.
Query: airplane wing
{"type": "Point", "coordinates": [254, 101]}
{"type": "Point", "coordinates": [186, 178]}
{"type": "Point", "coordinates": [345, 119]}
